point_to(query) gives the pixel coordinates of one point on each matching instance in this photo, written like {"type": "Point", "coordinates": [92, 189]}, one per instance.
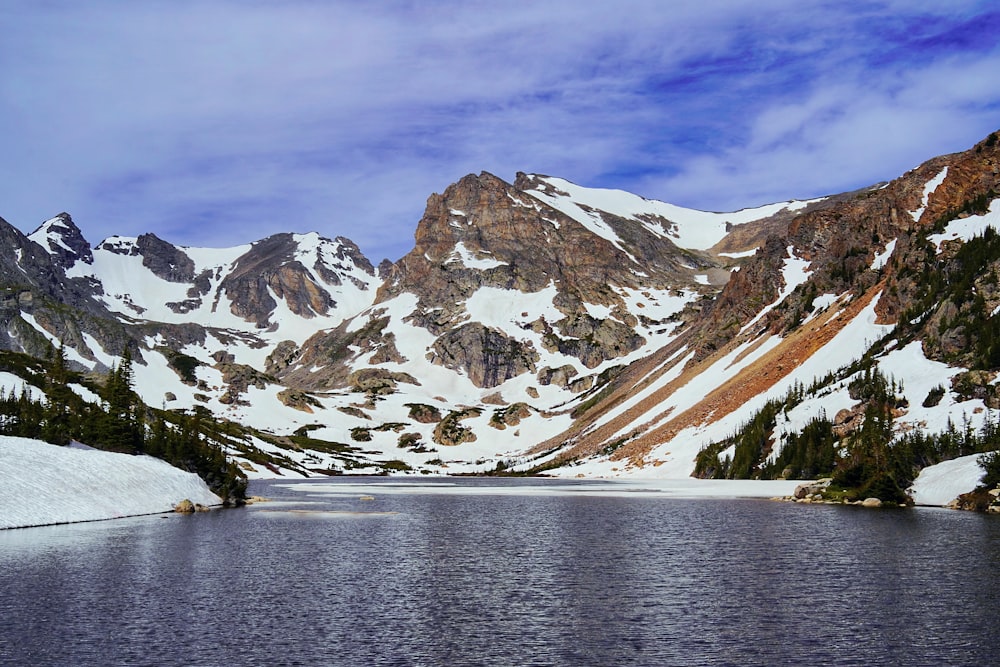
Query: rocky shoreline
{"type": "Point", "coordinates": [817, 492]}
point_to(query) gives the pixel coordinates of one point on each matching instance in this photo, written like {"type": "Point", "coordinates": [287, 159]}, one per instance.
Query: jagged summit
{"type": "Point", "coordinates": [266, 285]}
{"type": "Point", "coordinates": [569, 287]}
{"type": "Point", "coordinates": [63, 240]}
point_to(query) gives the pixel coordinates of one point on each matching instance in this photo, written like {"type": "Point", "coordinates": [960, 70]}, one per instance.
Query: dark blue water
{"type": "Point", "coordinates": [421, 578]}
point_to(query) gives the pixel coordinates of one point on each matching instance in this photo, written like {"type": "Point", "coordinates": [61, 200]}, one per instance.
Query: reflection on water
{"type": "Point", "coordinates": [474, 574]}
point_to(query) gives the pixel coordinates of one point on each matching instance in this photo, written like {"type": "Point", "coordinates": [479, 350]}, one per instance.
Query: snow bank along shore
{"type": "Point", "coordinates": [43, 484]}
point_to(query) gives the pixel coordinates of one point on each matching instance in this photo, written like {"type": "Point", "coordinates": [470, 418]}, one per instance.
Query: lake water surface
{"type": "Point", "coordinates": [504, 572]}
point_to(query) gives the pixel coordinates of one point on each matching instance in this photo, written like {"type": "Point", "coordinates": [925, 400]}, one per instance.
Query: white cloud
{"type": "Point", "coordinates": [850, 130]}
{"type": "Point", "coordinates": [220, 122]}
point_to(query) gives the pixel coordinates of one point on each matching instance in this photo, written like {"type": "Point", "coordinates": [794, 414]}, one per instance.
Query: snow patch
{"type": "Point", "coordinates": [691, 229]}
{"type": "Point", "coordinates": [966, 229]}
{"type": "Point", "coordinates": [739, 255]}
{"type": "Point", "coordinates": [824, 301]}
{"type": "Point", "coordinates": [942, 483]}
{"type": "Point", "coordinates": [929, 189]}
{"type": "Point", "coordinates": [883, 258]}
{"type": "Point", "coordinates": [794, 272]}
{"type": "Point", "coordinates": [13, 383]}
{"type": "Point", "coordinates": [47, 235]}
{"type": "Point", "coordinates": [467, 258]}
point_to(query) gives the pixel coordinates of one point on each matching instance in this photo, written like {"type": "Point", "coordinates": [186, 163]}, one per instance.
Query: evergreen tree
{"type": "Point", "coordinates": [123, 427]}
{"type": "Point", "coordinates": [118, 423]}
{"type": "Point", "coordinates": [58, 419]}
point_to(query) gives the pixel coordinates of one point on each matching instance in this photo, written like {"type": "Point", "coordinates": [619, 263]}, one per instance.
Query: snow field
{"type": "Point", "coordinates": [133, 290]}
{"type": "Point", "coordinates": [44, 484]}
{"type": "Point", "coordinates": [965, 229]}
{"type": "Point", "coordinates": [693, 230]}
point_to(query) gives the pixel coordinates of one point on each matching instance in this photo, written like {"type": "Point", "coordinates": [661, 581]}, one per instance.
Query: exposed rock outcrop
{"type": "Point", "coordinates": [164, 259]}
{"type": "Point", "coordinates": [239, 378]}
{"type": "Point", "coordinates": [378, 381]}
{"type": "Point", "coordinates": [450, 431]}
{"type": "Point", "coordinates": [424, 414]}
{"type": "Point", "coordinates": [487, 356]}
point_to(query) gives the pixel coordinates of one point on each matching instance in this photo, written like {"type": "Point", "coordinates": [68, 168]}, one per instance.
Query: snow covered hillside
{"type": "Point", "coordinates": [878, 327]}
{"type": "Point", "coordinates": [687, 228]}
{"type": "Point", "coordinates": [43, 484]}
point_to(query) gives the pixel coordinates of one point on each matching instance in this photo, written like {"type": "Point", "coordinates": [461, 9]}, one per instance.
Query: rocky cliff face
{"type": "Point", "coordinates": [272, 269]}
{"type": "Point", "coordinates": [165, 260]}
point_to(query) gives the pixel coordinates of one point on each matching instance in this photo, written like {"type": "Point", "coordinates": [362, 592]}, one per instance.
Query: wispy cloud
{"type": "Point", "coordinates": [215, 123]}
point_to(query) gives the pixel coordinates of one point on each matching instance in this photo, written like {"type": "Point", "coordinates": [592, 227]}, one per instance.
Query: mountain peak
{"type": "Point", "coordinates": [62, 239]}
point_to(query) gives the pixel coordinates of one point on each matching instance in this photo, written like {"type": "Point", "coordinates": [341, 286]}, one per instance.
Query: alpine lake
{"type": "Point", "coordinates": [504, 571]}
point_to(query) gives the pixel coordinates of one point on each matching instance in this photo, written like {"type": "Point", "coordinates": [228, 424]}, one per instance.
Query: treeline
{"type": "Point", "coordinates": [747, 453]}
{"type": "Point", "coordinates": [864, 461]}
{"type": "Point", "coordinates": [117, 421]}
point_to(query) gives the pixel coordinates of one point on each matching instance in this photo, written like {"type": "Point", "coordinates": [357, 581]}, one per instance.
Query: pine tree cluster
{"type": "Point", "coordinates": [119, 422]}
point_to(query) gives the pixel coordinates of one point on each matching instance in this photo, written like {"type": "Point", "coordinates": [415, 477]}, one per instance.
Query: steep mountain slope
{"type": "Point", "coordinates": [39, 302]}
{"type": "Point", "coordinates": [892, 280]}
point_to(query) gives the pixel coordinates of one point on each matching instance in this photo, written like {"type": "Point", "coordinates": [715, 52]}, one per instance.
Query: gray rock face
{"type": "Point", "coordinates": [270, 266]}
{"type": "Point", "coordinates": [488, 356]}
{"type": "Point", "coordinates": [594, 341]}
{"type": "Point", "coordinates": [164, 259]}
{"type": "Point", "coordinates": [560, 377]}
{"type": "Point", "coordinates": [239, 378]}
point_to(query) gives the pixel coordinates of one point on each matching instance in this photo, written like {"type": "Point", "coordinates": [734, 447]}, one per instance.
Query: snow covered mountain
{"type": "Point", "coordinates": [263, 291]}
{"type": "Point", "coordinates": [543, 325]}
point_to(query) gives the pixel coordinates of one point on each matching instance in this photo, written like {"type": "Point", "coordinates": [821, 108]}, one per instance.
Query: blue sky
{"type": "Point", "coordinates": [219, 122]}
